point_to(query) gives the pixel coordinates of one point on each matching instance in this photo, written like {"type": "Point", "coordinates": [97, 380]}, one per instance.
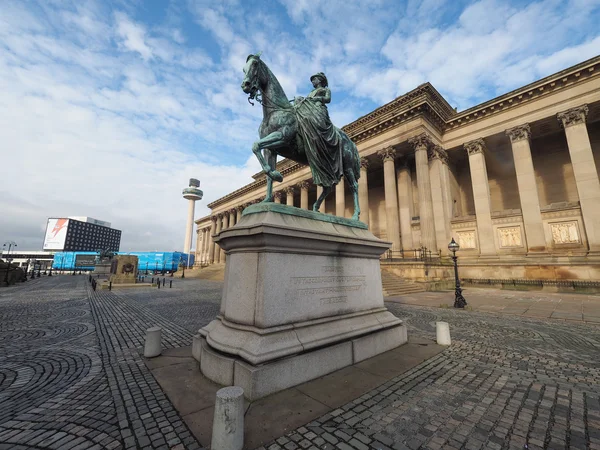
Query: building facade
{"type": "Point", "coordinates": [514, 180]}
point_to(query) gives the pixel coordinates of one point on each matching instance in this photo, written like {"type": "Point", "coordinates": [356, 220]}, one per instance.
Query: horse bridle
{"type": "Point", "coordinates": [257, 94]}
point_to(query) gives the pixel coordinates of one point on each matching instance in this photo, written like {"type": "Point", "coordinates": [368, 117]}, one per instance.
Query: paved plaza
{"type": "Point", "coordinates": [72, 377]}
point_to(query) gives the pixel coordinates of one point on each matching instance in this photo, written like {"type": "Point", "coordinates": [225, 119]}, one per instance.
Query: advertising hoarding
{"type": "Point", "coordinates": [85, 260]}
{"type": "Point", "coordinates": [56, 233]}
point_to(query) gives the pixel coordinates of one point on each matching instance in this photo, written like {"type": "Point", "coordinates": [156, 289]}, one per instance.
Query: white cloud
{"type": "Point", "coordinates": [133, 35]}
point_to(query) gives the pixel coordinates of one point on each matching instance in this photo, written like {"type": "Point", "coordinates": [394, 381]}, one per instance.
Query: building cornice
{"type": "Point", "coordinates": [545, 86]}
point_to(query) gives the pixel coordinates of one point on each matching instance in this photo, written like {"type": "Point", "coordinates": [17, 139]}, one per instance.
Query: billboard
{"type": "Point", "coordinates": [85, 260]}
{"type": "Point", "coordinates": [56, 233]}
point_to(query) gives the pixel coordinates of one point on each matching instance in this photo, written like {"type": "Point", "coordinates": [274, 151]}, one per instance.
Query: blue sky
{"type": "Point", "coordinates": [107, 108]}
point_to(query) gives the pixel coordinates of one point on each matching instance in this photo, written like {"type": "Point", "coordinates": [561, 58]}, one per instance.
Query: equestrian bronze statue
{"type": "Point", "coordinates": [300, 130]}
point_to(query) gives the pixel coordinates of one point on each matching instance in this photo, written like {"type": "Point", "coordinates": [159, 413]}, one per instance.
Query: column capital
{"type": "Point", "coordinates": [573, 116]}
{"type": "Point", "coordinates": [519, 133]}
{"type": "Point", "coordinates": [421, 141]}
{"type": "Point", "coordinates": [387, 154]}
{"type": "Point", "coordinates": [289, 190]}
{"type": "Point", "coordinates": [241, 207]}
{"type": "Point", "coordinates": [214, 218]}
{"type": "Point", "coordinates": [278, 195]}
{"type": "Point", "coordinates": [438, 152]}
{"type": "Point", "coordinates": [232, 211]}
{"type": "Point", "coordinates": [474, 147]}
{"type": "Point", "coordinates": [303, 185]}
{"type": "Point", "coordinates": [220, 215]}
{"type": "Point", "coordinates": [364, 163]}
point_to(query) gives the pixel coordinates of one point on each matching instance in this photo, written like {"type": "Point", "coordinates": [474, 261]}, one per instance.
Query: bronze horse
{"type": "Point", "coordinates": [279, 133]}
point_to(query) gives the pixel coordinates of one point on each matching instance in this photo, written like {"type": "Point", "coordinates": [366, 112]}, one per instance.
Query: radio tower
{"type": "Point", "coordinates": [191, 194]}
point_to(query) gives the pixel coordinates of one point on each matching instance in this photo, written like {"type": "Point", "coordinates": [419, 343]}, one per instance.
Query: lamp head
{"type": "Point", "coordinates": [453, 246]}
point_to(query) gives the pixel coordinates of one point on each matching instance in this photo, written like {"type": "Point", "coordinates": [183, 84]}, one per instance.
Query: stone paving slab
{"type": "Point", "coordinates": [194, 396]}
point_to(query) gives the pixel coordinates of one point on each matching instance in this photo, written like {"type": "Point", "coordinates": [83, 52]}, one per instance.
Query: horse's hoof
{"type": "Point", "coordinates": [275, 176]}
{"type": "Point", "coordinates": [355, 216]}
{"type": "Point", "coordinates": [267, 200]}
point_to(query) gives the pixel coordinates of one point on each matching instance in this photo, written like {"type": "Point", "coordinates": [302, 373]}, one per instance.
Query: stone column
{"type": "Point", "coordinates": [205, 248]}
{"type": "Point", "coordinates": [238, 213]}
{"type": "Point", "coordinates": [340, 199]}
{"type": "Point", "coordinates": [303, 186]}
{"type": "Point", "coordinates": [217, 231]}
{"type": "Point", "coordinates": [199, 245]}
{"type": "Point", "coordinates": [405, 205]}
{"type": "Point", "coordinates": [481, 196]}
{"type": "Point", "coordinates": [391, 201]}
{"type": "Point", "coordinates": [363, 190]}
{"type": "Point", "coordinates": [439, 196]}
{"type": "Point", "coordinates": [212, 244]}
{"type": "Point", "coordinates": [319, 192]}
{"type": "Point", "coordinates": [426, 220]}
{"type": "Point", "coordinates": [289, 196]}
{"type": "Point", "coordinates": [224, 226]}
{"type": "Point", "coordinates": [277, 196]}
{"type": "Point", "coordinates": [528, 192]}
{"type": "Point", "coordinates": [232, 217]}
{"type": "Point", "coordinates": [584, 169]}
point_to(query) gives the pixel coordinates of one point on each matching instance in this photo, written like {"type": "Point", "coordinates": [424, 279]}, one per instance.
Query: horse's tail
{"type": "Point", "coordinates": [355, 156]}
{"type": "Point", "coordinates": [355, 159]}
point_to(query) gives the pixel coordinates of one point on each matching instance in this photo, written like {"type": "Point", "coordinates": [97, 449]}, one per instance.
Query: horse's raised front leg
{"type": "Point", "coordinates": [273, 140]}
{"type": "Point", "coordinates": [325, 193]}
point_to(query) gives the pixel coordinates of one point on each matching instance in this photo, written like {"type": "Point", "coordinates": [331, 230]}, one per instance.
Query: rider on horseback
{"type": "Point", "coordinates": [321, 138]}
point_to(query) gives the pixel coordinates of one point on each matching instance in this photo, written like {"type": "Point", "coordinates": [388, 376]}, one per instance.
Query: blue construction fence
{"type": "Point", "coordinates": [147, 261]}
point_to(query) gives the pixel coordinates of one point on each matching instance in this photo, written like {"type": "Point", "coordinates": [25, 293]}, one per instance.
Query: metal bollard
{"type": "Point", "coordinates": [228, 422]}
{"type": "Point", "coordinates": [158, 284]}
{"type": "Point", "coordinates": [152, 280]}
{"type": "Point", "coordinates": [164, 281]}
{"type": "Point", "coordinates": [110, 285]}
{"type": "Point", "coordinates": [170, 284]}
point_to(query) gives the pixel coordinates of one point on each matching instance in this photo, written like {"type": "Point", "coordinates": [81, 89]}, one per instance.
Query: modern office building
{"type": "Point", "coordinates": [74, 234]}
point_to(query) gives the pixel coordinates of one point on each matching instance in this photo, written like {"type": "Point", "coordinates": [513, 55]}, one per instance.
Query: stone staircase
{"type": "Point", "coordinates": [394, 286]}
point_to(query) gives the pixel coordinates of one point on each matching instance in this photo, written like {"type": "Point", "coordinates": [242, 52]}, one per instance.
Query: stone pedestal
{"type": "Point", "coordinates": [302, 298]}
{"type": "Point", "coordinates": [102, 268]}
{"type": "Point", "coordinates": [124, 270]}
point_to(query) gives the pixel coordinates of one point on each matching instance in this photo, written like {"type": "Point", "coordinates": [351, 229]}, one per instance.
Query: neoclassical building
{"type": "Point", "coordinates": [514, 180]}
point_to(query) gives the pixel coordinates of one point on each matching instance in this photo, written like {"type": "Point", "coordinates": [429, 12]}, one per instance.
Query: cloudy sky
{"type": "Point", "coordinates": [108, 107]}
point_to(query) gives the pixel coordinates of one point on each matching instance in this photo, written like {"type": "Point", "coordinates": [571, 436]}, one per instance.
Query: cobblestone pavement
{"type": "Point", "coordinates": [71, 377]}
{"type": "Point", "coordinates": [505, 383]}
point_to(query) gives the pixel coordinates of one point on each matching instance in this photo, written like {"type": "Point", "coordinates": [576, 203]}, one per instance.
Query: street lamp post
{"type": "Point", "coordinates": [459, 300]}
{"type": "Point", "coordinates": [182, 264]}
{"type": "Point", "coordinates": [10, 244]}
{"type": "Point", "coordinates": [146, 267]}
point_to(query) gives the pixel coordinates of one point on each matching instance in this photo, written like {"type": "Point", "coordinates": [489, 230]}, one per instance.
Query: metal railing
{"type": "Point", "coordinates": [418, 254]}
{"type": "Point", "coordinates": [539, 283]}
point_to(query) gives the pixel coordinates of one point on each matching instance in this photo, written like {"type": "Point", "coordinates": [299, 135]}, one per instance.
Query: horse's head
{"type": "Point", "coordinates": [253, 75]}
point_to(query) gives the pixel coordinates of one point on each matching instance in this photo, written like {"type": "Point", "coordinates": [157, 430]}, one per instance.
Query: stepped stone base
{"type": "Point", "coordinates": [302, 298]}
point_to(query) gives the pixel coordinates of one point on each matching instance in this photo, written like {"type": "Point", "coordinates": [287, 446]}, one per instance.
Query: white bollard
{"type": "Point", "coordinates": [443, 333]}
{"type": "Point", "coordinates": [152, 345]}
{"type": "Point", "coordinates": [228, 423]}
{"type": "Point", "coordinates": [197, 347]}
